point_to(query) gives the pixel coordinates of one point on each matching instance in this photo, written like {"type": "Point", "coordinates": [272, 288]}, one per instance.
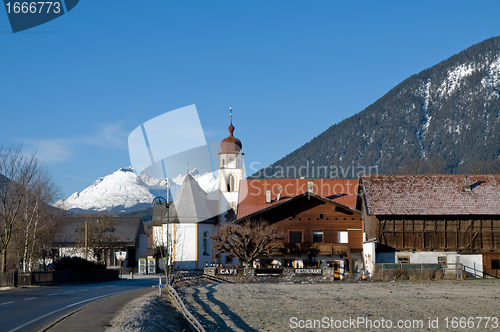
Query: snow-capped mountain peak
{"type": "Point", "coordinates": [125, 191]}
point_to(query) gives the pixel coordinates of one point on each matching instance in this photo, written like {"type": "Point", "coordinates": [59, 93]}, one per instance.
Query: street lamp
{"type": "Point", "coordinates": [158, 201]}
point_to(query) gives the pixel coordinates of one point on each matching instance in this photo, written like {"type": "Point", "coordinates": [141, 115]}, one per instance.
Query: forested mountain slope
{"type": "Point", "coordinates": [448, 115]}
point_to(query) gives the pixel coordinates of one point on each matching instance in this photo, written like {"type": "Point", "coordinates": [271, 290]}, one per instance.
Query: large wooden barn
{"type": "Point", "coordinates": [432, 219]}
{"type": "Point", "coordinates": [321, 226]}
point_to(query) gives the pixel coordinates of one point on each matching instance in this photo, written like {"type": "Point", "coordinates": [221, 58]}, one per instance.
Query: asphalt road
{"type": "Point", "coordinates": [30, 309]}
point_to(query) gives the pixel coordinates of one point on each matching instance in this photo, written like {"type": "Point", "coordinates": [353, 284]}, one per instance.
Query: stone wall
{"type": "Point", "coordinates": [286, 275]}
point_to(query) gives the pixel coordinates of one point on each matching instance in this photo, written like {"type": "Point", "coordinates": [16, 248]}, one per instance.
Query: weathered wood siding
{"type": "Point", "coordinates": [487, 264]}
{"type": "Point", "coordinates": [460, 233]}
{"type": "Point", "coordinates": [312, 215]}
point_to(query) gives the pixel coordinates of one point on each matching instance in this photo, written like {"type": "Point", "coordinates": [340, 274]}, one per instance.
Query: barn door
{"type": "Point", "coordinates": [336, 270]}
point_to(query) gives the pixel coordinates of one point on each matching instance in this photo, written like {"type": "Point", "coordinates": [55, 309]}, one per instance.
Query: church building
{"type": "Point", "coordinates": [230, 174]}
{"type": "Point", "coordinates": [190, 220]}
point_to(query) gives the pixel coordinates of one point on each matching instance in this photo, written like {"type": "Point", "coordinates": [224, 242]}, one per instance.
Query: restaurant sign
{"type": "Point", "coordinates": [308, 271]}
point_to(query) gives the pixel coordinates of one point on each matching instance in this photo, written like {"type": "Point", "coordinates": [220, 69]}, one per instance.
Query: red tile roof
{"type": "Point", "coordinates": [431, 195]}
{"type": "Point", "coordinates": [252, 193]}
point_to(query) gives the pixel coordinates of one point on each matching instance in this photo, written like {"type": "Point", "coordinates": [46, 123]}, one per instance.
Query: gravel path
{"type": "Point", "coordinates": [290, 307]}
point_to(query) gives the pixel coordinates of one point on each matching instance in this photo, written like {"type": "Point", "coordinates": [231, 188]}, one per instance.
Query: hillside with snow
{"type": "Point", "coordinates": [125, 191]}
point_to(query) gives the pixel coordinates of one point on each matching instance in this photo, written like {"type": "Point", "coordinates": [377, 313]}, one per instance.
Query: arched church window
{"type": "Point", "coordinates": [231, 183]}
{"type": "Point", "coordinates": [205, 244]}
{"type": "Point", "coordinates": [223, 163]}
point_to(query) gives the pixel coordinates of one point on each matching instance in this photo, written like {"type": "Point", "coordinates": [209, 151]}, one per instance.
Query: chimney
{"type": "Point", "coordinates": [467, 184]}
{"type": "Point", "coordinates": [268, 196]}
{"type": "Point", "coordinates": [310, 186]}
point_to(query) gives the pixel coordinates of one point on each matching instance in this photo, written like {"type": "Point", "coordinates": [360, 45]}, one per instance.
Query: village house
{"type": "Point", "coordinates": [122, 234]}
{"type": "Point", "coordinates": [317, 216]}
{"type": "Point", "coordinates": [445, 219]}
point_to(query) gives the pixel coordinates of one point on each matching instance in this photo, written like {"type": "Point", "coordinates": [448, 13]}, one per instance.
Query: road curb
{"type": "Point", "coordinates": [68, 315]}
{"type": "Point", "coordinates": [58, 320]}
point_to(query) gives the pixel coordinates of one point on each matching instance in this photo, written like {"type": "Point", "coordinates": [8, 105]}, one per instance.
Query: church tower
{"type": "Point", "coordinates": [230, 173]}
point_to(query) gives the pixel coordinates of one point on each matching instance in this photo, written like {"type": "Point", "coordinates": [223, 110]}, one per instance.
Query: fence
{"type": "Point", "coordinates": [13, 279]}
{"type": "Point", "coordinates": [193, 322]}
{"type": "Point", "coordinates": [8, 279]}
{"type": "Point", "coordinates": [451, 270]}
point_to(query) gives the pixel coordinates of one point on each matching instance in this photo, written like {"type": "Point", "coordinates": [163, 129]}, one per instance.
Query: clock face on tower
{"type": "Point", "coordinates": [230, 159]}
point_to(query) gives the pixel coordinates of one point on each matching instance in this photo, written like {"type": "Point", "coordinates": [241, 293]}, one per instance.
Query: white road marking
{"type": "Point", "coordinates": [6, 303]}
{"type": "Point", "coordinates": [66, 307]}
{"type": "Point", "coordinates": [29, 298]}
{"type": "Point", "coordinates": [71, 291]}
{"type": "Point", "coordinates": [52, 294]}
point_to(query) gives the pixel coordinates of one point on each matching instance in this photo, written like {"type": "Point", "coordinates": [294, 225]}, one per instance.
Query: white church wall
{"type": "Point", "coordinates": [162, 242]}
{"type": "Point", "coordinates": [158, 237]}
{"type": "Point", "coordinates": [204, 251]}
{"type": "Point", "coordinates": [184, 248]}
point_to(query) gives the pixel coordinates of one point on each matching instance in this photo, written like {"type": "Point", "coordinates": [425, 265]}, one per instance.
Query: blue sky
{"type": "Point", "coordinates": [74, 88]}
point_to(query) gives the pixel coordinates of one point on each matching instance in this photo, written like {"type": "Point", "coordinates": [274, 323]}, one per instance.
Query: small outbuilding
{"type": "Point", "coordinates": [118, 234]}
{"type": "Point", "coordinates": [445, 219]}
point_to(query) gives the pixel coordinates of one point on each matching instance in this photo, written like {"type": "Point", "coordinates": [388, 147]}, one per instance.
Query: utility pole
{"type": "Point", "coordinates": [86, 239]}
{"type": "Point", "coordinates": [158, 201]}
{"type": "Point", "coordinates": [166, 261]}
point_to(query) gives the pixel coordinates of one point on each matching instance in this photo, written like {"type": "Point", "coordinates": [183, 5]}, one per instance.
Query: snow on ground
{"type": "Point", "coordinates": [282, 307]}
{"type": "Point", "coordinates": [149, 313]}
{"type": "Point", "coordinates": [492, 78]}
{"type": "Point", "coordinates": [455, 78]}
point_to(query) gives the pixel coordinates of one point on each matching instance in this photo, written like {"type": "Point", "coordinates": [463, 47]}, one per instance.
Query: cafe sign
{"type": "Point", "coordinates": [229, 271]}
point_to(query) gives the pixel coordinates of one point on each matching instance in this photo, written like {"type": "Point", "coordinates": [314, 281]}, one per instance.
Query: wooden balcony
{"type": "Point", "coordinates": [324, 249]}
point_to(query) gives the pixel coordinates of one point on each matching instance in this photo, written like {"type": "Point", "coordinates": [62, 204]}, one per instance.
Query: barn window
{"type": "Point", "coordinates": [404, 259]}
{"type": "Point", "coordinates": [495, 264]}
{"type": "Point", "coordinates": [343, 237]}
{"type": "Point", "coordinates": [317, 236]}
{"type": "Point", "coordinates": [295, 237]}
{"type": "Point", "coordinates": [231, 183]}
{"type": "Point", "coordinates": [205, 244]}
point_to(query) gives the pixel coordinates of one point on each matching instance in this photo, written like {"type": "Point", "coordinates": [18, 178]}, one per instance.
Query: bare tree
{"type": "Point", "coordinates": [25, 191]}
{"type": "Point", "coordinates": [485, 168]}
{"type": "Point", "coordinates": [100, 235]}
{"type": "Point", "coordinates": [39, 221]}
{"type": "Point", "coordinates": [247, 241]}
{"type": "Point", "coordinates": [428, 165]}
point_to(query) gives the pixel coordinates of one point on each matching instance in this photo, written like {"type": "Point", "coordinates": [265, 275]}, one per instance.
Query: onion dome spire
{"type": "Point", "coordinates": [231, 127]}
{"type": "Point", "coordinates": [231, 144]}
